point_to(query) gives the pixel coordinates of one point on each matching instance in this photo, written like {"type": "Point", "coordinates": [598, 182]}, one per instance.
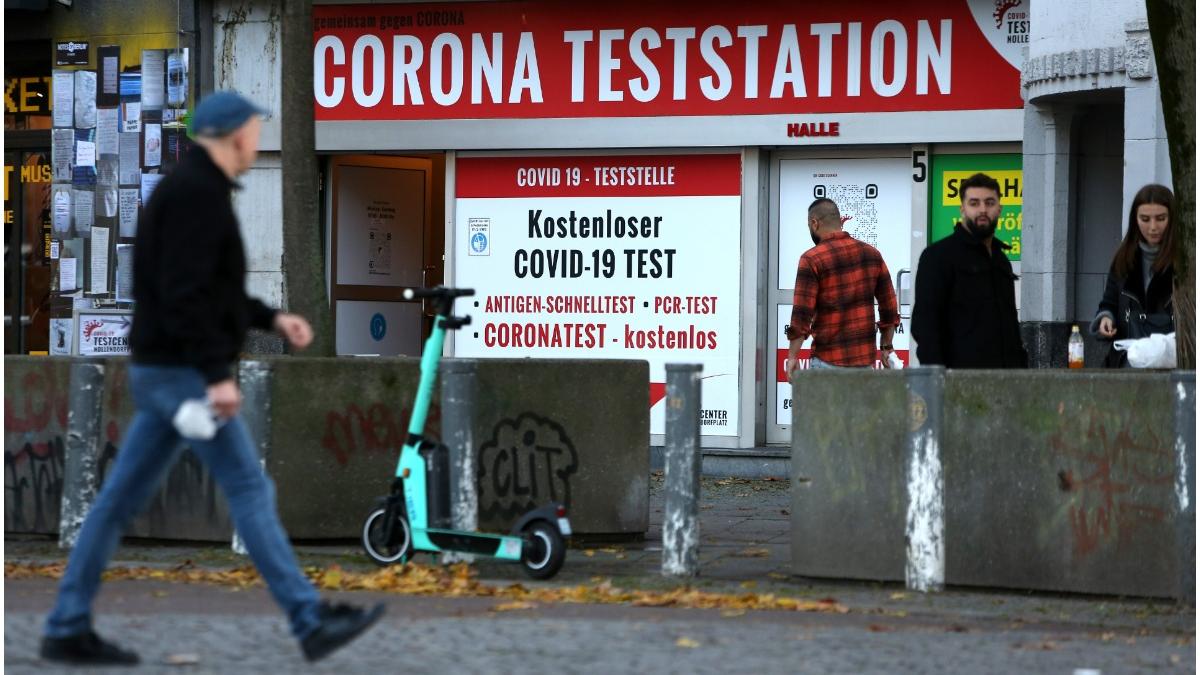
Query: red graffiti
{"type": "Point", "coordinates": [374, 431]}
{"type": "Point", "coordinates": [1120, 487]}
{"type": "Point", "coordinates": [43, 402]}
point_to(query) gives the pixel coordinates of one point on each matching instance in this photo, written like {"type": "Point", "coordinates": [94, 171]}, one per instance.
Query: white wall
{"type": "Point", "coordinates": [246, 58]}
{"type": "Point", "coordinates": [1062, 25]}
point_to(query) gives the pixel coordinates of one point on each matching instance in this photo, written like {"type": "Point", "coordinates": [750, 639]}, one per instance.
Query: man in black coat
{"type": "Point", "coordinates": [965, 314]}
{"type": "Point", "coordinates": [190, 321]}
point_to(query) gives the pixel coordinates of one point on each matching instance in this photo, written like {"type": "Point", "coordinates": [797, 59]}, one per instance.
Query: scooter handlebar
{"type": "Point", "coordinates": [456, 322]}
{"type": "Point", "coordinates": [443, 292]}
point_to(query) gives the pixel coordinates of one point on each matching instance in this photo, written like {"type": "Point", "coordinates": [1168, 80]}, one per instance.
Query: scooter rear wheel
{"type": "Point", "coordinates": [544, 551]}
{"type": "Point", "coordinates": [375, 542]}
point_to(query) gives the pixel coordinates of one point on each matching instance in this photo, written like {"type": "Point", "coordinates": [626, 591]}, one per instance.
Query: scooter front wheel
{"type": "Point", "coordinates": [382, 549]}
{"type": "Point", "coordinates": [544, 550]}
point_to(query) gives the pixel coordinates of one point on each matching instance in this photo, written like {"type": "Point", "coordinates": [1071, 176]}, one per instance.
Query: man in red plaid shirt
{"type": "Point", "coordinates": [838, 282]}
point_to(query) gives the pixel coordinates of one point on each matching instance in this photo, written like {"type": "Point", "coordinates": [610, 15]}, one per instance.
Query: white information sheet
{"type": "Point", "coordinates": [85, 214]}
{"type": "Point", "coordinates": [85, 99]}
{"type": "Point", "coordinates": [149, 182]}
{"type": "Point", "coordinates": [99, 266]}
{"type": "Point", "coordinates": [107, 128]}
{"type": "Point", "coordinates": [85, 153]}
{"type": "Point", "coordinates": [153, 136]}
{"type": "Point", "coordinates": [154, 79]}
{"type": "Point", "coordinates": [127, 212]}
{"type": "Point", "coordinates": [62, 153]}
{"type": "Point", "coordinates": [61, 209]}
{"type": "Point", "coordinates": [61, 333]}
{"type": "Point", "coordinates": [66, 275]}
{"type": "Point", "coordinates": [131, 117]}
{"type": "Point", "coordinates": [124, 272]}
{"type": "Point", "coordinates": [64, 98]}
{"type": "Point", "coordinates": [130, 171]}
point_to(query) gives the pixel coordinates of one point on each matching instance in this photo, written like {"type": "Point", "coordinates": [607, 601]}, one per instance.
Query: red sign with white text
{"type": "Point", "coordinates": [547, 59]}
{"type": "Point", "coordinates": [599, 176]}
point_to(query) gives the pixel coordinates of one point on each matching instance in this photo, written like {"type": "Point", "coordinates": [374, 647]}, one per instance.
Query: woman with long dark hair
{"type": "Point", "coordinates": [1137, 295]}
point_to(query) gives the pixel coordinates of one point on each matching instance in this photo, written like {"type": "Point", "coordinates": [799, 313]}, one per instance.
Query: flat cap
{"type": "Point", "coordinates": [221, 113]}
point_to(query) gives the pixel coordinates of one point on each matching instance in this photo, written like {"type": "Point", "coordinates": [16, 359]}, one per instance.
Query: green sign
{"type": "Point", "coordinates": [945, 201]}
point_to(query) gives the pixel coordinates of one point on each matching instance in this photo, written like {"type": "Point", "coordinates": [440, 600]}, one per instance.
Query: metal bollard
{"type": "Point", "coordinates": [254, 379]}
{"type": "Point", "coordinates": [924, 526]}
{"type": "Point", "coordinates": [82, 452]}
{"type": "Point", "coordinates": [681, 514]}
{"type": "Point", "coordinates": [459, 384]}
{"type": "Point", "coordinates": [1185, 483]}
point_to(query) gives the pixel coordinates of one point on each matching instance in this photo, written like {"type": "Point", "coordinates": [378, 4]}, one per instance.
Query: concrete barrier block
{"type": "Point", "coordinates": [849, 474]}
{"type": "Point", "coordinates": [35, 426]}
{"type": "Point", "coordinates": [557, 430]}
{"type": "Point", "coordinates": [1060, 481]}
{"type": "Point", "coordinates": [337, 426]}
{"type": "Point", "coordinates": [189, 505]}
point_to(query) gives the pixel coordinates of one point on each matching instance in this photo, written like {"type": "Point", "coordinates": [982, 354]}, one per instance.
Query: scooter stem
{"type": "Point", "coordinates": [430, 355]}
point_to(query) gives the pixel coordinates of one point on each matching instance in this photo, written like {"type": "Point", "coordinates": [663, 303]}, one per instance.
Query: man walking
{"type": "Point", "coordinates": [838, 282]}
{"type": "Point", "coordinates": [965, 310]}
{"type": "Point", "coordinates": [189, 323]}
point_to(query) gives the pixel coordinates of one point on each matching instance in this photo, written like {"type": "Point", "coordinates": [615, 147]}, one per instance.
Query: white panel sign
{"type": "Point", "coordinates": [380, 216]}
{"type": "Point", "coordinates": [619, 257]}
{"type": "Point", "coordinates": [874, 196]}
{"type": "Point", "coordinates": [103, 333]}
{"type": "Point", "coordinates": [378, 328]}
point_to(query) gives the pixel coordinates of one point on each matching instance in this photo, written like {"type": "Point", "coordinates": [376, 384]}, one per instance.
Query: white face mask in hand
{"type": "Point", "coordinates": [195, 420]}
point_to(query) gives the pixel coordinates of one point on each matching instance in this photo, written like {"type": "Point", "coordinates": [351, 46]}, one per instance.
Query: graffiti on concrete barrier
{"type": "Point", "coordinates": [528, 462]}
{"type": "Point", "coordinates": [373, 430]}
{"type": "Point", "coordinates": [33, 483]}
{"type": "Point", "coordinates": [1120, 481]}
{"type": "Point", "coordinates": [41, 403]}
{"type": "Point", "coordinates": [35, 419]}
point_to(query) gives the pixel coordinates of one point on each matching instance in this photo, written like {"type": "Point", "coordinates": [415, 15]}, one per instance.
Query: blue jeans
{"type": "Point", "coordinates": [817, 364]}
{"type": "Point", "coordinates": [150, 449]}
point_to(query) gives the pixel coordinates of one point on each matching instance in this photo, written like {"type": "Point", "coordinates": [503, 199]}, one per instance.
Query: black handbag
{"type": "Point", "coordinates": [1140, 324]}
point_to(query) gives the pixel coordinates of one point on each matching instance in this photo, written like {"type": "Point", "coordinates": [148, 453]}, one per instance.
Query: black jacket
{"type": "Point", "coordinates": [1123, 297]}
{"type": "Point", "coordinates": [965, 311]}
{"type": "Point", "coordinates": [189, 273]}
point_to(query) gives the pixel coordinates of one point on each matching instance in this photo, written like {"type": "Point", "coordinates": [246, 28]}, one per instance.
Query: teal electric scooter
{"type": "Point", "coordinates": [416, 515]}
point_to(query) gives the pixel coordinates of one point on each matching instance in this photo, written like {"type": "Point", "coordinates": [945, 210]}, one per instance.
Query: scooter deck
{"type": "Point", "coordinates": [495, 545]}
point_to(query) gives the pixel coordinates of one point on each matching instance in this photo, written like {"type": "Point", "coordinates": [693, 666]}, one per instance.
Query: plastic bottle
{"type": "Point", "coordinates": [1075, 348]}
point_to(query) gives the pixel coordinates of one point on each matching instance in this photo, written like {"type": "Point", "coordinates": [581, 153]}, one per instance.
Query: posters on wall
{"type": "Point", "coordinates": [620, 257]}
{"type": "Point", "coordinates": [945, 199]}
{"type": "Point", "coordinates": [874, 196]}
